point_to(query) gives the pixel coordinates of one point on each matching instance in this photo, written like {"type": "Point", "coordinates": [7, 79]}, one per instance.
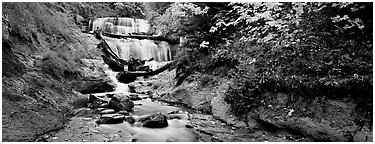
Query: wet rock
{"type": "Point", "coordinates": [145, 92]}
{"type": "Point", "coordinates": [141, 88]}
{"type": "Point", "coordinates": [132, 87]}
{"type": "Point", "coordinates": [93, 86]}
{"type": "Point", "coordinates": [126, 77]}
{"type": "Point", "coordinates": [178, 116]}
{"type": "Point", "coordinates": [134, 97]}
{"type": "Point", "coordinates": [104, 105]}
{"type": "Point", "coordinates": [111, 119]}
{"type": "Point", "coordinates": [95, 102]}
{"type": "Point", "coordinates": [100, 109]}
{"type": "Point", "coordinates": [123, 112]}
{"type": "Point", "coordinates": [107, 111]}
{"type": "Point", "coordinates": [175, 112]}
{"type": "Point", "coordinates": [129, 119]}
{"type": "Point", "coordinates": [119, 103]}
{"type": "Point", "coordinates": [189, 125]}
{"type": "Point", "coordinates": [157, 120]}
{"type": "Point", "coordinates": [110, 95]}
{"type": "Point", "coordinates": [113, 64]}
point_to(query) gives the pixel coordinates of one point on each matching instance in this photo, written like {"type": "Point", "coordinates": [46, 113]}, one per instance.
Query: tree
{"type": "Point", "coordinates": [129, 9]}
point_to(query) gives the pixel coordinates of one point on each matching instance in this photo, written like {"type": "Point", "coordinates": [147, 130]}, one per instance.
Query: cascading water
{"type": "Point", "coordinates": [120, 26]}
{"type": "Point", "coordinates": [142, 49]}
{"type": "Point", "coordinates": [175, 131]}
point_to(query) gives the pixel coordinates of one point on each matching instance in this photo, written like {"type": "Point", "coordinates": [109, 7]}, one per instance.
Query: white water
{"type": "Point", "coordinates": [176, 131]}
{"type": "Point", "coordinates": [120, 26]}
{"type": "Point", "coordinates": [142, 49]}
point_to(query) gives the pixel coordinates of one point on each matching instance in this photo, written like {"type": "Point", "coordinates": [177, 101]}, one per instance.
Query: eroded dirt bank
{"type": "Point", "coordinates": [44, 67]}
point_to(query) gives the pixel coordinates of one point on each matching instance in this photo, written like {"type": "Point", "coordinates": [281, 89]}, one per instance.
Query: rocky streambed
{"type": "Point", "coordinates": [122, 116]}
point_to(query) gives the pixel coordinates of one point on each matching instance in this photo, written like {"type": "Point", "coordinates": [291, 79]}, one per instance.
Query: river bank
{"type": "Point", "coordinates": [309, 120]}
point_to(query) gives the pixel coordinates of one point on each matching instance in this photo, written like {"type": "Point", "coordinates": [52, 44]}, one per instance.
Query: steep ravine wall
{"type": "Point", "coordinates": [42, 52]}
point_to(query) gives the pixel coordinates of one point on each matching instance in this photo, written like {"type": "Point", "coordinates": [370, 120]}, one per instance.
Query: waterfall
{"type": "Point", "coordinates": [142, 49]}
{"type": "Point", "coordinates": [120, 26]}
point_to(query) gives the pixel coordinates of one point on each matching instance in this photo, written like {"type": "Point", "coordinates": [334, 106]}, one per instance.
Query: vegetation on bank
{"type": "Point", "coordinates": [42, 51]}
{"type": "Point", "coordinates": [307, 50]}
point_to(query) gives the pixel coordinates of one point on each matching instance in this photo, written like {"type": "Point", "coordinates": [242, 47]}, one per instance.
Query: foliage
{"type": "Point", "coordinates": [92, 10]}
{"type": "Point", "coordinates": [153, 10]}
{"type": "Point", "coordinates": [305, 49]}
{"type": "Point", "coordinates": [128, 9]}
{"type": "Point", "coordinates": [180, 19]}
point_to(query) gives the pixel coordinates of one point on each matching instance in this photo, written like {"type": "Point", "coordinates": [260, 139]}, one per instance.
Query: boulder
{"type": "Point", "coordinates": [120, 103]}
{"type": "Point", "coordinates": [95, 102]}
{"type": "Point", "coordinates": [126, 77]}
{"type": "Point", "coordinates": [157, 120]}
{"type": "Point", "coordinates": [111, 119]}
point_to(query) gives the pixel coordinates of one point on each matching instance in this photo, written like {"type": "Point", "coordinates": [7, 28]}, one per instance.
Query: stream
{"type": "Point", "coordinates": [175, 131]}
{"type": "Point", "coordinates": [84, 127]}
{"type": "Point", "coordinates": [191, 126]}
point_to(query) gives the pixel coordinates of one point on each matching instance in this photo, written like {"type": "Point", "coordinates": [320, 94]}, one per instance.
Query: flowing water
{"type": "Point", "coordinates": [144, 50]}
{"type": "Point", "coordinates": [119, 26]}
{"type": "Point", "coordinates": [176, 131]}
{"type": "Point", "coordinates": [141, 49]}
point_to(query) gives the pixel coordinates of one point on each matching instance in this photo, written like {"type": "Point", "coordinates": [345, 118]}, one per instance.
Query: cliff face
{"type": "Point", "coordinates": [42, 48]}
